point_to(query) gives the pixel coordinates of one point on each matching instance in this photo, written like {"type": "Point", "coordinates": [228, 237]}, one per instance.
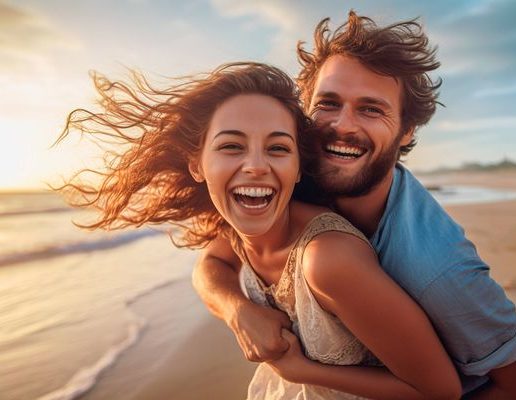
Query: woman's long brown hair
{"type": "Point", "coordinates": [156, 133]}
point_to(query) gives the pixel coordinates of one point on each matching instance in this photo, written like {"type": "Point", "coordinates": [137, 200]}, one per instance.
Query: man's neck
{"type": "Point", "coordinates": [365, 212]}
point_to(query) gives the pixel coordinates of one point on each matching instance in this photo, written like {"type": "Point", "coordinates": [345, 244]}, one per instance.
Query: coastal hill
{"type": "Point", "coordinates": [500, 175]}
{"type": "Point", "coordinates": [504, 165]}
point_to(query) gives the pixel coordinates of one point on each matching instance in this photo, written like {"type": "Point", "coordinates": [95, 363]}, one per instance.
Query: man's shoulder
{"type": "Point", "coordinates": [413, 213]}
{"type": "Point", "coordinates": [416, 240]}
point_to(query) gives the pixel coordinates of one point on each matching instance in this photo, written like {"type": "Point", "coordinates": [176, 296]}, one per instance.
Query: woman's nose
{"type": "Point", "coordinates": [256, 164]}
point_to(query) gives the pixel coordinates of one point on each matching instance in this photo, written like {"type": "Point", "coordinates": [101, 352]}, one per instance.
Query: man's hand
{"type": "Point", "coordinates": [257, 328]}
{"type": "Point", "coordinates": [293, 362]}
{"type": "Point", "coordinates": [258, 331]}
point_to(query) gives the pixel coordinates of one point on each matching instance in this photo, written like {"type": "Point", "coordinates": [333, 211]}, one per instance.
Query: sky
{"type": "Point", "coordinates": [48, 48]}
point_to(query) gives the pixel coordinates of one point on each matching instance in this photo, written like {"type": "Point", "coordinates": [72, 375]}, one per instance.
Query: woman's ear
{"type": "Point", "coordinates": [298, 177]}
{"type": "Point", "coordinates": [196, 171]}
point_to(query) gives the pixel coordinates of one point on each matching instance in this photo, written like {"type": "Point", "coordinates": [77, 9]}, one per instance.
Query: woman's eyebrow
{"type": "Point", "coordinates": [230, 132]}
{"type": "Point", "coordinates": [242, 134]}
{"type": "Point", "coordinates": [281, 134]}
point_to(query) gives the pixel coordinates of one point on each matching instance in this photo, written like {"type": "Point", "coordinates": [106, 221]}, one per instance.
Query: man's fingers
{"type": "Point", "coordinates": [285, 321]}
{"type": "Point", "coordinates": [289, 337]}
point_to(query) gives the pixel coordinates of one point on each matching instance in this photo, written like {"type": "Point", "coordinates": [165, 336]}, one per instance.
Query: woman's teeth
{"type": "Point", "coordinates": [253, 197]}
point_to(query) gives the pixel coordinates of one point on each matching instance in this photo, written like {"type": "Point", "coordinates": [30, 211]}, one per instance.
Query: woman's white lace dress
{"type": "Point", "coordinates": [323, 337]}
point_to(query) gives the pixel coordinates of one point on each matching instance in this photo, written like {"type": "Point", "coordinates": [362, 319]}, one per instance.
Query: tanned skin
{"type": "Point", "coordinates": [262, 332]}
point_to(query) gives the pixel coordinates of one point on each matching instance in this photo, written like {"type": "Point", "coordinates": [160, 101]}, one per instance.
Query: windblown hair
{"type": "Point", "coordinates": [160, 132]}
{"type": "Point", "coordinates": [399, 50]}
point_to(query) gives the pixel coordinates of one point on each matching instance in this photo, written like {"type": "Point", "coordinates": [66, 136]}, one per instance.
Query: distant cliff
{"type": "Point", "coordinates": [505, 164]}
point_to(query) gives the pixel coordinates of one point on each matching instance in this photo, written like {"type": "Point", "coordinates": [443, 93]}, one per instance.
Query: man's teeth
{"type": "Point", "coordinates": [345, 150]}
{"type": "Point", "coordinates": [253, 191]}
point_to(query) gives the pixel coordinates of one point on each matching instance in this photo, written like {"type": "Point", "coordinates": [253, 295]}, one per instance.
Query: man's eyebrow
{"type": "Point", "coordinates": [236, 132]}
{"type": "Point", "coordinates": [327, 95]}
{"type": "Point", "coordinates": [375, 100]}
{"type": "Point", "coordinates": [365, 99]}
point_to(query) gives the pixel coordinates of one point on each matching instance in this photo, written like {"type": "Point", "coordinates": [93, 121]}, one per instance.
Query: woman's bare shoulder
{"type": "Point", "coordinates": [336, 256]}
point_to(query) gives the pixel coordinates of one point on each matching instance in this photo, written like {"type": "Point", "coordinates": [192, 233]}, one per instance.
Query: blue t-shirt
{"type": "Point", "coordinates": [427, 254]}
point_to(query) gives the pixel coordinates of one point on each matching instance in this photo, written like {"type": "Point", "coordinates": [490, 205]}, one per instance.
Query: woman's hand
{"type": "Point", "coordinates": [292, 365]}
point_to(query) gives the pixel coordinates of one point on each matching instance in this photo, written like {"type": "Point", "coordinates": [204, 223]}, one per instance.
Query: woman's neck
{"type": "Point", "coordinates": [274, 240]}
{"type": "Point", "coordinates": [268, 254]}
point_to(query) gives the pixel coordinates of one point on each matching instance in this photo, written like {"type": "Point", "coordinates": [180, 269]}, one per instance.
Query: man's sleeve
{"type": "Point", "coordinates": [473, 316]}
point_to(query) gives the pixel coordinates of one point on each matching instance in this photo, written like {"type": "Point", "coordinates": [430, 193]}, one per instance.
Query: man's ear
{"type": "Point", "coordinates": [407, 136]}
{"type": "Point", "coordinates": [196, 171]}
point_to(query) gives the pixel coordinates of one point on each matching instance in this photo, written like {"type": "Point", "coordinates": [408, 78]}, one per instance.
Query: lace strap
{"type": "Point", "coordinates": [326, 222]}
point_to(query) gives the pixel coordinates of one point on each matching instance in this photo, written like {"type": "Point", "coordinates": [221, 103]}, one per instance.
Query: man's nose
{"type": "Point", "coordinates": [256, 163]}
{"type": "Point", "coordinates": [345, 121]}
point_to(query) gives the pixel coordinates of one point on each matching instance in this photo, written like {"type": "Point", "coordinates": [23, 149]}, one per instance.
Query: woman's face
{"type": "Point", "coordinates": [250, 162]}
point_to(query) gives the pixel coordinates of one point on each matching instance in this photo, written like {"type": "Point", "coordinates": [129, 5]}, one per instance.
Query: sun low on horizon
{"type": "Point", "coordinates": [47, 50]}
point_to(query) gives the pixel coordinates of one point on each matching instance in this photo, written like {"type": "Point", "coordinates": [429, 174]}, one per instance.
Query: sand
{"type": "Point", "coordinates": [223, 372]}
{"type": "Point", "coordinates": [490, 226]}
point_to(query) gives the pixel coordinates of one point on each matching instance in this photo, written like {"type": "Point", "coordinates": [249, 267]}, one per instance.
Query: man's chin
{"type": "Point", "coordinates": [351, 185]}
{"type": "Point", "coordinates": [348, 189]}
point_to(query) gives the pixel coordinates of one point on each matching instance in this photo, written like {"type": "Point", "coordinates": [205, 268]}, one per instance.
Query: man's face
{"type": "Point", "coordinates": [360, 113]}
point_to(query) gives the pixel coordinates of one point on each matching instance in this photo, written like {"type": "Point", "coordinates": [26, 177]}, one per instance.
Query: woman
{"type": "Point", "coordinates": [220, 155]}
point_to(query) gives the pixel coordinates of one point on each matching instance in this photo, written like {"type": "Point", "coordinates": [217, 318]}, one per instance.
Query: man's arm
{"type": "Point", "coordinates": [477, 323]}
{"type": "Point", "coordinates": [257, 329]}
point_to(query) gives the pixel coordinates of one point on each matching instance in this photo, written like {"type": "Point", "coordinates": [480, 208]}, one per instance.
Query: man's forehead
{"type": "Point", "coordinates": [345, 76]}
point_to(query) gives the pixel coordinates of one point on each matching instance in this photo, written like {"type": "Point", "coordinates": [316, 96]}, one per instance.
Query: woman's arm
{"type": "Point", "coordinates": [345, 278]}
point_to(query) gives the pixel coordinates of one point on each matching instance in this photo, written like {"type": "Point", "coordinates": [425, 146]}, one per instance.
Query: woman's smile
{"type": "Point", "coordinates": [253, 197]}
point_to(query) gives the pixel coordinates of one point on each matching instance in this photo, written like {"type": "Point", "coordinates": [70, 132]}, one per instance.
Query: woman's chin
{"type": "Point", "coordinates": [251, 230]}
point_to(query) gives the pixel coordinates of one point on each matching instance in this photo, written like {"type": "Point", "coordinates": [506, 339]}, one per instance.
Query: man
{"type": "Point", "coordinates": [367, 88]}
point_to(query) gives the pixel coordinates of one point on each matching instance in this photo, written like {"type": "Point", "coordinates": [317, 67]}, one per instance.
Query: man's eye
{"type": "Point", "coordinates": [326, 104]}
{"type": "Point", "coordinates": [373, 110]}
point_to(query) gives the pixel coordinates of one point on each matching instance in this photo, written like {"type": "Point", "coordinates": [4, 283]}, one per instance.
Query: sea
{"type": "Point", "coordinates": [84, 314]}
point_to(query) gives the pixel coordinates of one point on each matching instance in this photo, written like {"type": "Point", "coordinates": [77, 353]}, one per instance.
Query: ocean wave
{"type": "Point", "coordinates": [84, 379]}
{"type": "Point", "coordinates": [77, 247]}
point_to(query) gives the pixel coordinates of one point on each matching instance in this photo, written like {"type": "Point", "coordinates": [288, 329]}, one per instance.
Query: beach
{"type": "Point", "coordinates": [109, 316]}
{"type": "Point", "coordinates": [491, 226]}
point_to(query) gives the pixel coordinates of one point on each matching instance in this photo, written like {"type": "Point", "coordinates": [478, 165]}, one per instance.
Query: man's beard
{"type": "Point", "coordinates": [367, 178]}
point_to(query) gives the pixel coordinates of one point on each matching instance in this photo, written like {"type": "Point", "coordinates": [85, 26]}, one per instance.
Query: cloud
{"type": "Point", "coordinates": [27, 39]}
{"type": "Point", "coordinates": [288, 18]}
{"type": "Point", "coordinates": [476, 124]}
{"type": "Point", "coordinates": [281, 13]}
{"type": "Point", "coordinates": [496, 91]}
{"type": "Point", "coordinates": [479, 39]}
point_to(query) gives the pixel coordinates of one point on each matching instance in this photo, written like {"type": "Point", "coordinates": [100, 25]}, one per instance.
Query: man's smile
{"type": "Point", "coordinates": [345, 151]}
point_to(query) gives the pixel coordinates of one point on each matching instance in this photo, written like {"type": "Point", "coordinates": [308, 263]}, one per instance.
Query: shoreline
{"type": "Point", "coordinates": [207, 362]}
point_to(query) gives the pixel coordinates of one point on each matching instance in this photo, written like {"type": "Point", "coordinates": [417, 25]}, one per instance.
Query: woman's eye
{"type": "Point", "coordinates": [230, 147]}
{"type": "Point", "coordinates": [279, 148]}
